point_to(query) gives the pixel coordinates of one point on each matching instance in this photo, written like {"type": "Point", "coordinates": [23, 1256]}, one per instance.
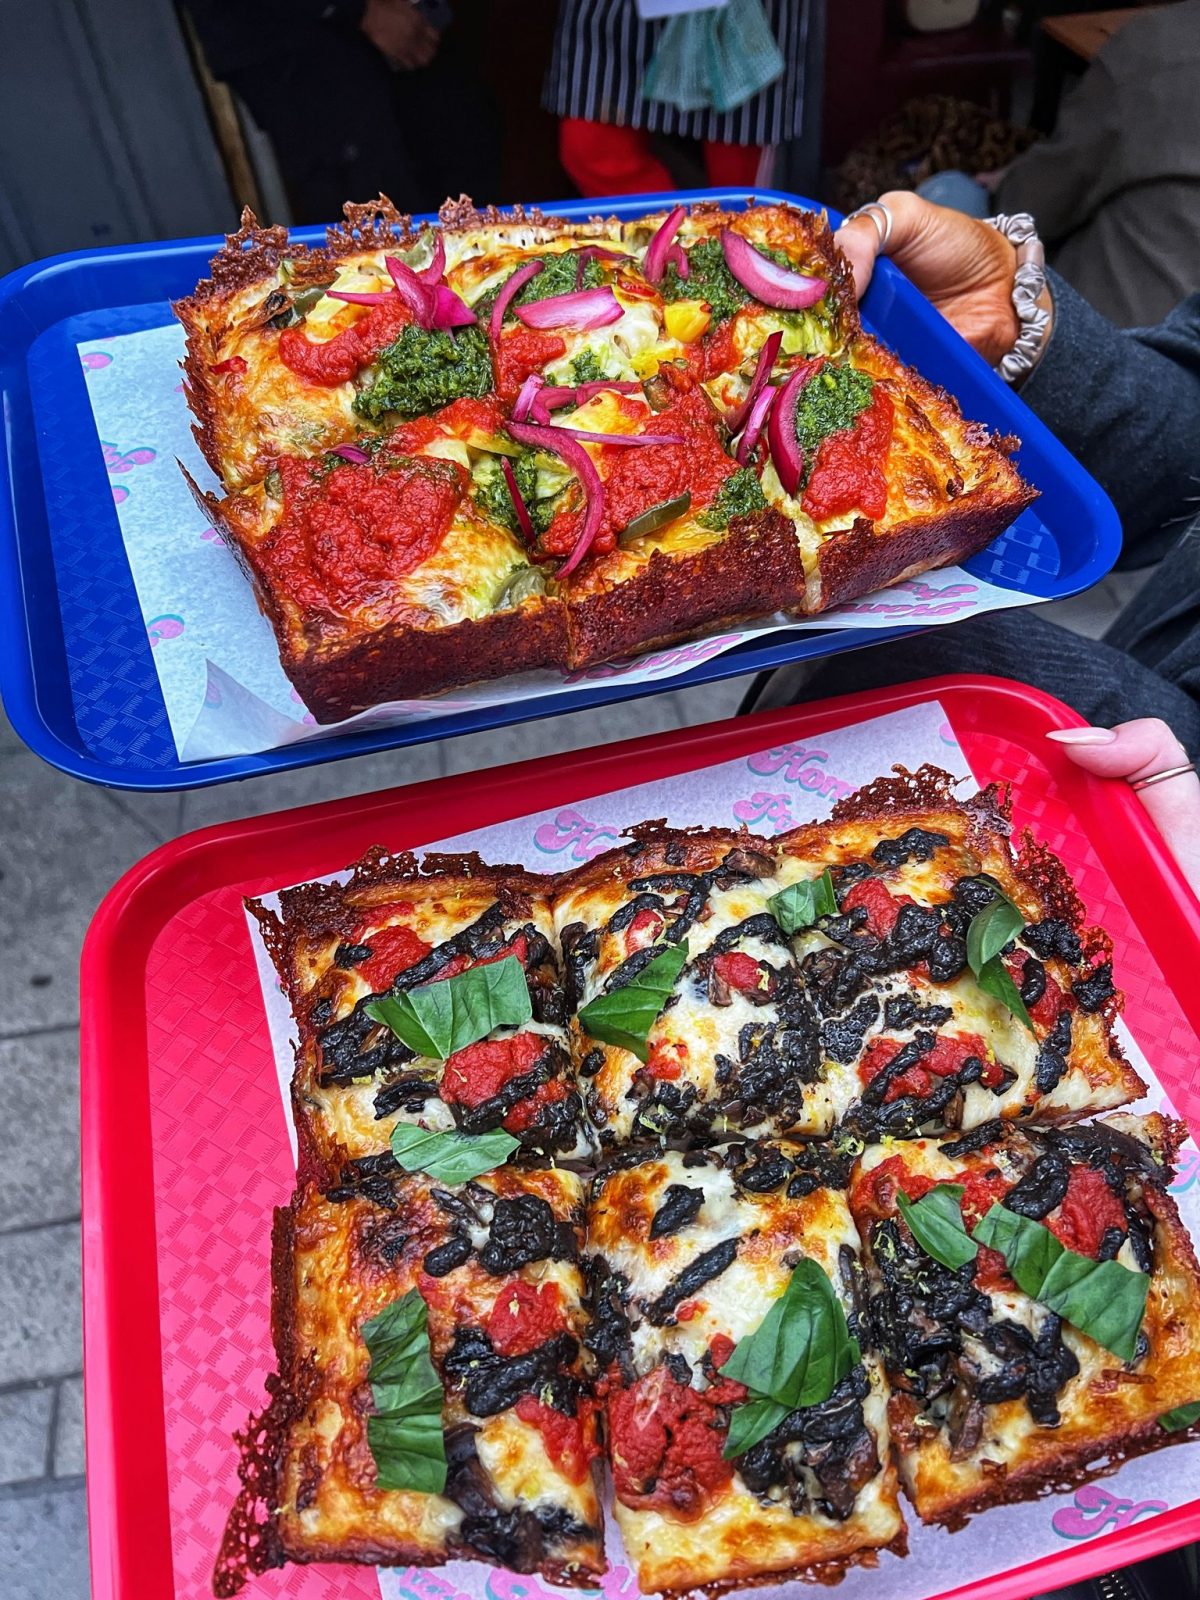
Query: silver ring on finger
{"type": "Point", "coordinates": [881, 215]}
{"type": "Point", "coordinates": [1161, 777]}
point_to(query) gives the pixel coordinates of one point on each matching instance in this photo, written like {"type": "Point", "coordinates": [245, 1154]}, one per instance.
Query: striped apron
{"type": "Point", "coordinates": [602, 49]}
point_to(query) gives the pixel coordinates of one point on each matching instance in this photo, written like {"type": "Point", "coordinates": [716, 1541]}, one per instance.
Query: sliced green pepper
{"type": "Point", "coordinates": [657, 517]}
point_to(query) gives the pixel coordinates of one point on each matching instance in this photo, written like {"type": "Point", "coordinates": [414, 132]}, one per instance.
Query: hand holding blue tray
{"type": "Point", "coordinates": [76, 670]}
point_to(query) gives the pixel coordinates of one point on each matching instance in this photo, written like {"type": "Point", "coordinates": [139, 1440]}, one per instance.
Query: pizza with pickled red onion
{"type": "Point", "coordinates": [514, 440]}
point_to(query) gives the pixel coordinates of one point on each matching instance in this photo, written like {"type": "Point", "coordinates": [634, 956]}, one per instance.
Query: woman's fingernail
{"type": "Point", "coordinates": [1082, 735]}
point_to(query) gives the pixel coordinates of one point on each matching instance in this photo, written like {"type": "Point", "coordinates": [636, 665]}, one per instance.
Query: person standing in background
{"type": "Point", "coordinates": [359, 96]}
{"type": "Point", "coordinates": [605, 51]}
{"type": "Point", "coordinates": [1116, 187]}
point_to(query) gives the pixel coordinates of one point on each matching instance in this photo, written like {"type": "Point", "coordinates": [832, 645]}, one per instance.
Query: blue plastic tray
{"type": "Point", "coordinates": [76, 672]}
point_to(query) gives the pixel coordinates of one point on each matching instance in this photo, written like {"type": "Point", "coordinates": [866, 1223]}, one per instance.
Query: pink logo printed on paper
{"type": "Point", "coordinates": [800, 764]}
{"type": "Point", "coordinates": [618, 1583]}
{"type": "Point", "coordinates": [119, 494]}
{"type": "Point", "coordinates": [928, 600]}
{"type": "Point", "coordinates": [124, 461]}
{"type": "Point", "coordinates": [165, 627]}
{"type": "Point", "coordinates": [93, 360]}
{"type": "Point", "coordinates": [763, 807]}
{"type": "Point", "coordinates": [572, 831]}
{"type": "Point", "coordinates": [1095, 1510]}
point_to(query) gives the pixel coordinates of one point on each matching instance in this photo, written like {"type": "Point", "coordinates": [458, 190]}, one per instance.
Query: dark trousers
{"type": "Point", "coordinates": [345, 126]}
{"type": "Point", "coordinates": [1147, 664]}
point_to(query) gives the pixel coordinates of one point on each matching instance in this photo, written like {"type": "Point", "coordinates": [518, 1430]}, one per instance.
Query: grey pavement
{"type": "Point", "coordinates": [62, 845]}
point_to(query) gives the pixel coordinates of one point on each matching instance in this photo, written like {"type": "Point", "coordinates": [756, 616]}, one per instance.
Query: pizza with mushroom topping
{"type": "Point", "coordinates": [916, 1031]}
{"type": "Point", "coordinates": [690, 1255]}
{"type": "Point", "coordinates": [434, 1398]}
{"type": "Point", "coordinates": [514, 440]}
{"type": "Point", "coordinates": [1016, 1364]}
{"type": "Point", "coordinates": [397, 926]}
{"type": "Point", "coordinates": [733, 1046]}
{"type": "Point", "coordinates": [848, 1230]}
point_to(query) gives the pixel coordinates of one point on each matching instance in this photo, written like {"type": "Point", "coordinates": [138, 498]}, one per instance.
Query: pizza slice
{"type": "Point", "coordinates": [433, 1398]}
{"type": "Point", "coordinates": [386, 565]}
{"type": "Point", "coordinates": [1031, 1294]}
{"type": "Point", "coordinates": [954, 982]}
{"type": "Point", "coordinates": [362, 959]}
{"type": "Point", "coordinates": [689, 1017]}
{"type": "Point", "coordinates": [740, 1260]}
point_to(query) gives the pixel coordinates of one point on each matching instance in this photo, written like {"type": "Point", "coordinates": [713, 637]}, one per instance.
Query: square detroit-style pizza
{"type": "Point", "coordinates": [512, 440]}
{"type": "Point", "coordinates": [696, 1259]}
{"type": "Point", "coordinates": [399, 925]}
{"type": "Point", "coordinates": [954, 979]}
{"type": "Point", "coordinates": [431, 1337]}
{"type": "Point", "coordinates": [1032, 1296]}
{"type": "Point", "coordinates": [760, 1170]}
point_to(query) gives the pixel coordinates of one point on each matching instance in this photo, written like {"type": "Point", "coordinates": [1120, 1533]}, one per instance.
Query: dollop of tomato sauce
{"type": "Point", "coordinates": [982, 1187]}
{"type": "Point", "coordinates": [529, 1111]}
{"type": "Point", "coordinates": [348, 532]}
{"type": "Point", "coordinates": [234, 365]}
{"type": "Point", "coordinates": [461, 416]}
{"type": "Point", "coordinates": [949, 1053]}
{"type": "Point", "coordinates": [570, 1442]}
{"type": "Point", "coordinates": [666, 1443]}
{"type": "Point", "coordinates": [340, 358]}
{"type": "Point", "coordinates": [643, 929]}
{"type": "Point", "coordinates": [743, 972]}
{"type": "Point", "coordinates": [639, 477]}
{"type": "Point", "coordinates": [1088, 1210]}
{"type": "Point", "coordinates": [1045, 1010]}
{"type": "Point", "coordinates": [882, 907]}
{"type": "Point", "coordinates": [479, 1071]}
{"type": "Point", "coordinates": [715, 352]}
{"type": "Point", "coordinates": [666, 1060]}
{"type": "Point", "coordinates": [520, 352]}
{"type": "Point", "coordinates": [393, 950]}
{"type": "Point", "coordinates": [848, 473]}
{"type": "Point", "coordinates": [524, 1316]}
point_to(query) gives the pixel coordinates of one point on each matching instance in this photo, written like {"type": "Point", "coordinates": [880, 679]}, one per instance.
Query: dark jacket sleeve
{"type": "Point", "coordinates": [1126, 403]}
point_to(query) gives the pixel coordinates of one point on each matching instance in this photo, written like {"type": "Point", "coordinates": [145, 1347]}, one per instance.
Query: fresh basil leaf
{"type": "Point", "coordinates": [993, 978]}
{"type": "Point", "coordinates": [751, 1422]}
{"type": "Point", "coordinates": [802, 1349]}
{"type": "Point", "coordinates": [800, 904]}
{"type": "Point", "coordinates": [451, 1157]}
{"type": "Point", "coordinates": [405, 1436]}
{"type": "Point", "coordinates": [625, 1016]}
{"type": "Point", "coordinates": [991, 929]}
{"type": "Point", "coordinates": [1103, 1299]}
{"type": "Point", "coordinates": [935, 1222]}
{"type": "Point", "coordinates": [439, 1018]}
{"type": "Point", "coordinates": [1182, 1417]}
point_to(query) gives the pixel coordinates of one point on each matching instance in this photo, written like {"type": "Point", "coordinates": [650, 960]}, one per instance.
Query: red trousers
{"type": "Point", "coordinates": [604, 159]}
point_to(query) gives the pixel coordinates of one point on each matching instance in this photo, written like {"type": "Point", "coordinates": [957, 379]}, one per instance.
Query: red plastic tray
{"type": "Point", "coordinates": [185, 1150]}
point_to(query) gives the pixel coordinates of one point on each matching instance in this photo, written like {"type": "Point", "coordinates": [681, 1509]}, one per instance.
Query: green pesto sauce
{"type": "Point", "coordinates": [494, 500]}
{"type": "Point", "coordinates": [738, 496]}
{"type": "Point", "coordinates": [586, 368]}
{"type": "Point", "coordinates": [425, 369]}
{"type": "Point", "coordinates": [833, 400]}
{"type": "Point", "coordinates": [710, 279]}
{"type": "Point", "coordinates": [556, 277]}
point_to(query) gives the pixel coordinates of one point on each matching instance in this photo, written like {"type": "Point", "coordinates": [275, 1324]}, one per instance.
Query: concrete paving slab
{"type": "Point", "coordinates": [25, 1433]}
{"type": "Point", "coordinates": [39, 1084]}
{"type": "Point", "coordinates": [41, 1312]}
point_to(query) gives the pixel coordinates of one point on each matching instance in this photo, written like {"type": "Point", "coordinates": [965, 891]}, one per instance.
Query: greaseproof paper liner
{"type": "Point", "coordinates": [216, 656]}
{"type": "Point", "coordinates": [771, 791]}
